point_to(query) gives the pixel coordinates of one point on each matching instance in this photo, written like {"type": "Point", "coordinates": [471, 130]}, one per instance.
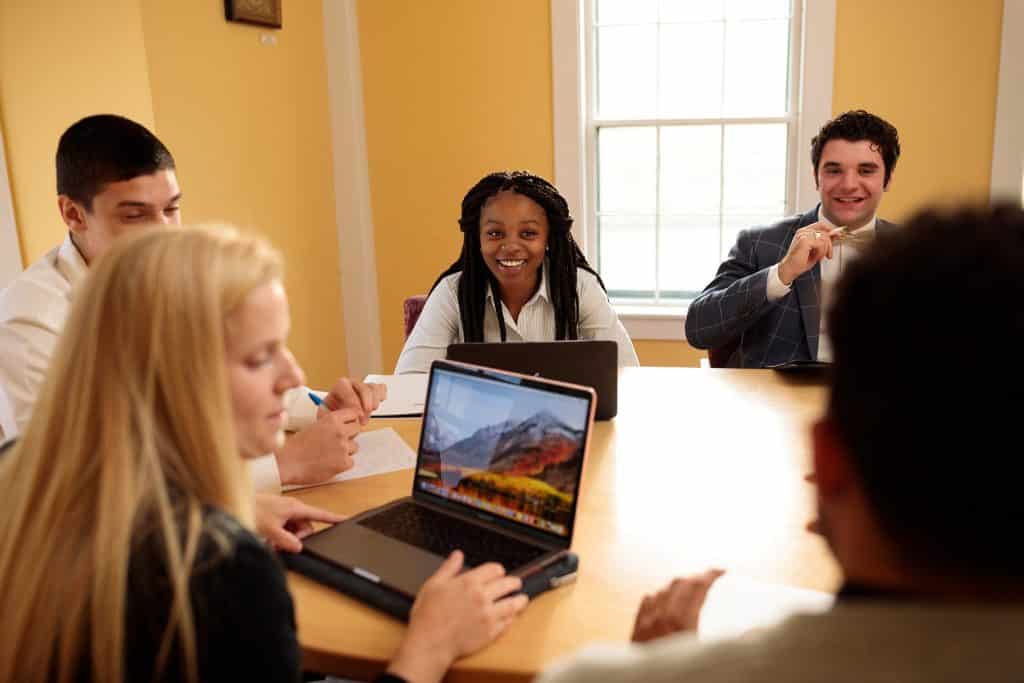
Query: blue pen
{"type": "Point", "coordinates": [318, 401]}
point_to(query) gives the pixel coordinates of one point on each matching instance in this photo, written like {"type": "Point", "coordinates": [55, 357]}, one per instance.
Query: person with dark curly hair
{"type": "Point", "coordinates": [769, 301]}
{"type": "Point", "coordinates": [520, 277]}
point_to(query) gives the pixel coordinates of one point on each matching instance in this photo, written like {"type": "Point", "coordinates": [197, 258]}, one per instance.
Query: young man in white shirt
{"type": "Point", "coordinates": [769, 301]}
{"type": "Point", "coordinates": [917, 484]}
{"type": "Point", "coordinates": [113, 177]}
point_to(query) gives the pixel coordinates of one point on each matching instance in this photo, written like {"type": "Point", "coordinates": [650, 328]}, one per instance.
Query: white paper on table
{"type": "Point", "coordinates": [737, 604]}
{"type": "Point", "coordinates": [380, 451]}
{"type": "Point", "coordinates": [407, 394]}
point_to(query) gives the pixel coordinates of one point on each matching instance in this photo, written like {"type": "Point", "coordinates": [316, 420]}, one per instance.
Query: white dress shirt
{"type": "Point", "coordinates": [440, 324]}
{"type": "Point", "coordinates": [33, 310]}
{"type": "Point", "coordinates": [831, 269]}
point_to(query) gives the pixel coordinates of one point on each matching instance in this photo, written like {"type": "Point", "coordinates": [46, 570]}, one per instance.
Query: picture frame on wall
{"type": "Point", "coordinates": [257, 12]}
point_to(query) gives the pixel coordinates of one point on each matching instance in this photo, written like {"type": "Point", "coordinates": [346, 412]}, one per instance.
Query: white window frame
{"type": "Point", "coordinates": [1008, 137]}
{"type": "Point", "coordinates": [10, 246]}
{"type": "Point", "coordinates": [575, 165]}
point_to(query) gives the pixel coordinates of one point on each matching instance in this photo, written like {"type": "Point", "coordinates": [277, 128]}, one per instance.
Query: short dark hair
{"type": "Point", "coordinates": [926, 328]}
{"type": "Point", "coordinates": [104, 149]}
{"type": "Point", "coordinates": [563, 256]}
{"type": "Point", "coordinates": [859, 125]}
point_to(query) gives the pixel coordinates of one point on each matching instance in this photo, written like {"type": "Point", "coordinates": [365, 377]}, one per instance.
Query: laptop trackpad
{"type": "Point", "coordinates": [372, 555]}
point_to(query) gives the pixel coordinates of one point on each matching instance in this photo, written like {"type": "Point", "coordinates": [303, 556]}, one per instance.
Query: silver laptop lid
{"type": "Point", "coordinates": [507, 447]}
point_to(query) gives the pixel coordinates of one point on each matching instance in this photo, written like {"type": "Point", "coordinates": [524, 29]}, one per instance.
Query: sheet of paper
{"type": "Point", "coordinates": [406, 394]}
{"type": "Point", "coordinates": [380, 451]}
{"type": "Point", "coordinates": [737, 604]}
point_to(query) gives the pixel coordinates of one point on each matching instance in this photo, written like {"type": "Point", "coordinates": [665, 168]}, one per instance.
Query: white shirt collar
{"type": "Point", "coordinates": [868, 230]}
{"type": "Point", "coordinates": [542, 291]}
{"type": "Point", "coordinates": [70, 263]}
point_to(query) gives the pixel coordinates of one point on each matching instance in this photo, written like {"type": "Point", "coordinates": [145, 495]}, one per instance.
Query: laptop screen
{"type": "Point", "coordinates": [497, 444]}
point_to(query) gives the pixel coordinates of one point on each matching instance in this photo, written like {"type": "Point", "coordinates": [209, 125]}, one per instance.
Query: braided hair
{"type": "Point", "coordinates": [563, 256]}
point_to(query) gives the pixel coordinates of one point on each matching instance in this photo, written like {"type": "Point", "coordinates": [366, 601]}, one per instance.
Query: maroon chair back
{"type": "Point", "coordinates": [411, 309]}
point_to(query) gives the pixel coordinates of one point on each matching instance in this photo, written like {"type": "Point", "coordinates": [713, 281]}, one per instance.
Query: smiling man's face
{"type": "Point", "coordinates": [850, 179]}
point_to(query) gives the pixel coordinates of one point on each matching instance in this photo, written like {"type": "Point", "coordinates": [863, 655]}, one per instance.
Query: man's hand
{"type": "Point", "coordinates": [455, 615]}
{"type": "Point", "coordinates": [362, 397]}
{"type": "Point", "coordinates": [673, 609]}
{"type": "Point", "coordinates": [284, 521]}
{"type": "Point", "coordinates": [809, 245]}
{"type": "Point", "coordinates": [321, 450]}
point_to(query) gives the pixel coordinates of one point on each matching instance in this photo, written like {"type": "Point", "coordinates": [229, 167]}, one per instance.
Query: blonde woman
{"type": "Point", "coordinates": [125, 550]}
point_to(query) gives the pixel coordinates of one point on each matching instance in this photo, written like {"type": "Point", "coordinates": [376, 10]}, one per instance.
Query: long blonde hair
{"type": "Point", "coordinates": [132, 433]}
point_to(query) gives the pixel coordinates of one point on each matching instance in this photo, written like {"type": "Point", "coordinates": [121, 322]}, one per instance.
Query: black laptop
{"type": "Point", "coordinates": [497, 476]}
{"type": "Point", "coordinates": [592, 363]}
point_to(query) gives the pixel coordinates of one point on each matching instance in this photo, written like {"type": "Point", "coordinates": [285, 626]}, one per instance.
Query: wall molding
{"type": "Point", "coordinates": [357, 256]}
{"type": "Point", "coordinates": [1008, 140]}
{"type": "Point", "coordinates": [10, 245]}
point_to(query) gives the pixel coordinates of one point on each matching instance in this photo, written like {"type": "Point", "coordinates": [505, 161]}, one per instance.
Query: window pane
{"type": "Point", "coordinates": [627, 170]}
{"type": "Point", "coordinates": [690, 70]}
{"type": "Point", "coordinates": [756, 67]}
{"type": "Point", "coordinates": [691, 167]}
{"type": "Point", "coordinates": [755, 169]}
{"type": "Point", "coordinates": [688, 252]}
{"type": "Point", "coordinates": [688, 10]}
{"type": "Point", "coordinates": [627, 252]}
{"type": "Point", "coordinates": [757, 9]}
{"type": "Point", "coordinates": [625, 11]}
{"type": "Point", "coordinates": [627, 71]}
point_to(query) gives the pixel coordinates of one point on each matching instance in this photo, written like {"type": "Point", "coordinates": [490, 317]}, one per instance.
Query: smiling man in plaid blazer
{"type": "Point", "coordinates": [768, 302]}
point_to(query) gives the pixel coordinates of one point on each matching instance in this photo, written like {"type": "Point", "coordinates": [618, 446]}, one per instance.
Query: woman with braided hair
{"type": "Point", "coordinates": [520, 277]}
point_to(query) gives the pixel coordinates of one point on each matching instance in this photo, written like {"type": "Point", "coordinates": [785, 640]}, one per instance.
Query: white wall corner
{"type": "Point", "coordinates": [1008, 141]}
{"type": "Point", "coordinates": [817, 67]}
{"type": "Point", "coordinates": [10, 246]}
{"type": "Point", "coordinates": [568, 101]}
{"type": "Point", "coordinates": [353, 211]}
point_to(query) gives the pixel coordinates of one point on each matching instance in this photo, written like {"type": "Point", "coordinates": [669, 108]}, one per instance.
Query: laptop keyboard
{"type": "Point", "coordinates": [441, 534]}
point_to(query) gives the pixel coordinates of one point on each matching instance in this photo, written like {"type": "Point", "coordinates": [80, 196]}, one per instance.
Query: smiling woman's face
{"type": "Point", "coordinates": [513, 236]}
{"type": "Point", "coordinates": [260, 369]}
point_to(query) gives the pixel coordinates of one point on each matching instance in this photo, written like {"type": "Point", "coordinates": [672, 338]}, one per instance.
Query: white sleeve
{"type": "Point", "coordinates": [26, 348]}
{"type": "Point", "coordinates": [776, 288]}
{"type": "Point", "coordinates": [265, 476]}
{"type": "Point", "coordinates": [436, 328]}
{"type": "Point", "coordinates": [301, 409]}
{"type": "Point", "coordinates": [598, 319]}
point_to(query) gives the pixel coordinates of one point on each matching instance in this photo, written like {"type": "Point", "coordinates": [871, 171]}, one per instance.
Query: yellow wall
{"type": "Point", "coordinates": [453, 89]}
{"type": "Point", "coordinates": [249, 128]}
{"type": "Point", "coordinates": [55, 68]}
{"type": "Point", "coordinates": [247, 124]}
{"type": "Point", "coordinates": [931, 68]}
{"type": "Point", "coordinates": [667, 353]}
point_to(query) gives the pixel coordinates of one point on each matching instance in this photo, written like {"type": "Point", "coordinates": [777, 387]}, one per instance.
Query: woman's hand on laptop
{"type": "Point", "coordinates": [455, 615]}
{"type": "Point", "coordinates": [285, 521]}
{"type": "Point", "coordinates": [673, 609]}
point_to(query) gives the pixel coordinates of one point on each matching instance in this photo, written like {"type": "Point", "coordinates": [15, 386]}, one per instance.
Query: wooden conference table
{"type": "Point", "coordinates": [701, 468]}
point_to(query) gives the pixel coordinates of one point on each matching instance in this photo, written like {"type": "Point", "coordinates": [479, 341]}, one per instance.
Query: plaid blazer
{"type": "Point", "coordinates": [735, 307]}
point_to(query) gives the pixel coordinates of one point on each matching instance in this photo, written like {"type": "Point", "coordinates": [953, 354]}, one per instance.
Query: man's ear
{"type": "Point", "coordinates": [832, 473]}
{"type": "Point", "coordinates": [72, 213]}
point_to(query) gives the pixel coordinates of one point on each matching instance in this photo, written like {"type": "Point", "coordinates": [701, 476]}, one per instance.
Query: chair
{"type": "Point", "coordinates": [411, 309]}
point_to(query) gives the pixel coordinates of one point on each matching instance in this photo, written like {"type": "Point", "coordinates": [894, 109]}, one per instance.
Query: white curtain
{"type": "Point", "coordinates": [10, 250]}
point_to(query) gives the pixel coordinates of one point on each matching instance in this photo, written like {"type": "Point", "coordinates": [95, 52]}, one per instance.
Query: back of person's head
{"type": "Point", "coordinates": [104, 149]}
{"type": "Point", "coordinates": [131, 437]}
{"type": "Point", "coordinates": [857, 125]}
{"type": "Point", "coordinates": [925, 399]}
{"type": "Point", "coordinates": [563, 256]}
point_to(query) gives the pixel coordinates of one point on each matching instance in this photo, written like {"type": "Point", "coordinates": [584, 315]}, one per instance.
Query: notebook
{"type": "Point", "coordinates": [590, 362]}
{"type": "Point", "coordinates": [497, 476]}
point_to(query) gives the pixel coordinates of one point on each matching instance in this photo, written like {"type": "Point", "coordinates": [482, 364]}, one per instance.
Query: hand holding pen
{"type": "Point", "coordinates": [362, 397]}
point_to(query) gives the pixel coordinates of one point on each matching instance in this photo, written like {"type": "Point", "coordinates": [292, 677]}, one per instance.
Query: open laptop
{"type": "Point", "coordinates": [497, 476]}
{"type": "Point", "coordinates": [590, 362]}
